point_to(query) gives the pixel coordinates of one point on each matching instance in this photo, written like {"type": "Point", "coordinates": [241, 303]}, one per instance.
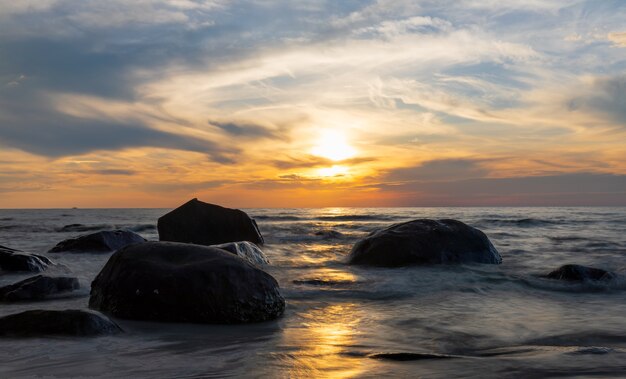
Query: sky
{"type": "Point", "coordinates": [263, 103]}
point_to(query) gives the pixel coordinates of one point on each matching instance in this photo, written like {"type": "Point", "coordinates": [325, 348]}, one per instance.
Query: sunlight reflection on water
{"type": "Point", "coordinates": [320, 339]}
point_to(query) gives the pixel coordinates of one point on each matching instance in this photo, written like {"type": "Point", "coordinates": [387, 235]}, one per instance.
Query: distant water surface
{"type": "Point", "coordinates": [494, 321]}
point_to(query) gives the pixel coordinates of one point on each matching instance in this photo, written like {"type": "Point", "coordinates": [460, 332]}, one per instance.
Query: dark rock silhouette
{"type": "Point", "coordinates": [424, 242]}
{"type": "Point", "coordinates": [73, 322]}
{"type": "Point", "coordinates": [100, 242]}
{"type": "Point", "coordinates": [245, 250]}
{"type": "Point", "coordinates": [580, 273]}
{"type": "Point", "coordinates": [207, 224]}
{"type": "Point", "coordinates": [175, 282]}
{"type": "Point", "coordinates": [16, 260]}
{"type": "Point", "coordinates": [37, 288]}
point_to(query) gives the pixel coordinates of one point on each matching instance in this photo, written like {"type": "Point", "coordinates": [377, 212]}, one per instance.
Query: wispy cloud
{"type": "Point", "coordinates": [618, 38]}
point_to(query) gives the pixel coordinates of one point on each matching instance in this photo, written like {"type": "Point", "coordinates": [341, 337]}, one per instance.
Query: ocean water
{"type": "Point", "coordinates": [503, 321]}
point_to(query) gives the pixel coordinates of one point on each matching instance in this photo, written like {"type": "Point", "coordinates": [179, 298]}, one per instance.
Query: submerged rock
{"type": "Point", "coordinates": [424, 242]}
{"type": "Point", "coordinates": [175, 282]}
{"type": "Point", "coordinates": [16, 260]}
{"type": "Point", "coordinates": [207, 224]}
{"type": "Point", "coordinates": [100, 242]}
{"type": "Point", "coordinates": [37, 288]}
{"type": "Point", "coordinates": [72, 322]}
{"type": "Point", "coordinates": [245, 250]}
{"type": "Point", "coordinates": [580, 273]}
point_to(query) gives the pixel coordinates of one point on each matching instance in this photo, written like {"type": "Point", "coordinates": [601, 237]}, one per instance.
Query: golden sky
{"type": "Point", "coordinates": [309, 104]}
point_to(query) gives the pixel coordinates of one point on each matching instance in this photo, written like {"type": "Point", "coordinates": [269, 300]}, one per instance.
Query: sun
{"type": "Point", "coordinates": [333, 144]}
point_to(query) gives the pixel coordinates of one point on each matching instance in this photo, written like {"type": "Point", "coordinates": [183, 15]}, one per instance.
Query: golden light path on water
{"type": "Point", "coordinates": [319, 339]}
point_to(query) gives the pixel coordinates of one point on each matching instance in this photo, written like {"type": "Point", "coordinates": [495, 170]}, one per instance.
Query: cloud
{"type": "Point", "coordinates": [470, 182]}
{"type": "Point", "coordinates": [52, 134]}
{"type": "Point", "coordinates": [247, 130]}
{"type": "Point", "coordinates": [618, 38]}
{"type": "Point", "coordinates": [305, 162]}
{"type": "Point", "coordinates": [283, 183]}
{"type": "Point", "coordinates": [21, 187]}
{"type": "Point", "coordinates": [114, 171]}
{"type": "Point", "coordinates": [605, 95]}
{"type": "Point", "coordinates": [416, 24]}
{"type": "Point", "coordinates": [562, 189]}
{"type": "Point", "coordinates": [185, 186]}
{"type": "Point", "coordinates": [312, 161]}
{"type": "Point", "coordinates": [436, 170]}
{"type": "Point", "coordinates": [60, 18]}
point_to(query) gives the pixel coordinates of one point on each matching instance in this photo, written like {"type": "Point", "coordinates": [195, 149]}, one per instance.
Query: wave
{"type": "Point", "coordinates": [600, 245]}
{"type": "Point", "coordinates": [593, 350]}
{"type": "Point", "coordinates": [351, 294]}
{"type": "Point", "coordinates": [329, 234]}
{"type": "Point", "coordinates": [408, 356]}
{"type": "Point", "coordinates": [278, 218]}
{"type": "Point", "coordinates": [521, 222]}
{"type": "Point", "coordinates": [142, 228]}
{"type": "Point", "coordinates": [617, 283]}
{"type": "Point", "coordinates": [84, 228]}
{"type": "Point", "coordinates": [324, 282]}
{"type": "Point", "coordinates": [6, 219]}
{"type": "Point", "coordinates": [23, 228]}
{"type": "Point", "coordinates": [529, 222]}
{"type": "Point", "coordinates": [97, 227]}
{"type": "Point", "coordinates": [355, 218]}
{"type": "Point", "coordinates": [348, 217]}
{"type": "Point", "coordinates": [567, 238]}
{"type": "Point", "coordinates": [583, 338]}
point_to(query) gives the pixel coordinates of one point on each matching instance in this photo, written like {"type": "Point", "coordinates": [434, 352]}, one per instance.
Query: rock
{"type": "Point", "coordinates": [72, 322]}
{"type": "Point", "coordinates": [100, 242]}
{"type": "Point", "coordinates": [580, 273]}
{"type": "Point", "coordinates": [424, 242]}
{"type": "Point", "coordinates": [207, 224]}
{"type": "Point", "coordinates": [37, 288]}
{"type": "Point", "coordinates": [16, 260]}
{"type": "Point", "coordinates": [246, 250]}
{"type": "Point", "coordinates": [175, 282]}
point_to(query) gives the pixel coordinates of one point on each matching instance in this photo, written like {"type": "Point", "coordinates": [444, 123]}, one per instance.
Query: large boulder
{"type": "Point", "coordinates": [175, 282]}
{"type": "Point", "coordinates": [207, 224]}
{"type": "Point", "coordinates": [245, 250]}
{"type": "Point", "coordinates": [38, 288]}
{"type": "Point", "coordinates": [580, 273]}
{"type": "Point", "coordinates": [100, 242]}
{"type": "Point", "coordinates": [424, 242]}
{"type": "Point", "coordinates": [71, 322]}
{"type": "Point", "coordinates": [16, 260]}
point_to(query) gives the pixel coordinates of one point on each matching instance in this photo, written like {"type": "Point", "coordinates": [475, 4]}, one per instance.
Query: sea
{"type": "Point", "coordinates": [500, 321]}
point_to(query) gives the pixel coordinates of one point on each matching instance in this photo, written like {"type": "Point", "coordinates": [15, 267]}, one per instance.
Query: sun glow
{"type": "Point", "coordinates": [333, 171]}
{"type": "Point", "coordinates": [333, 145]}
